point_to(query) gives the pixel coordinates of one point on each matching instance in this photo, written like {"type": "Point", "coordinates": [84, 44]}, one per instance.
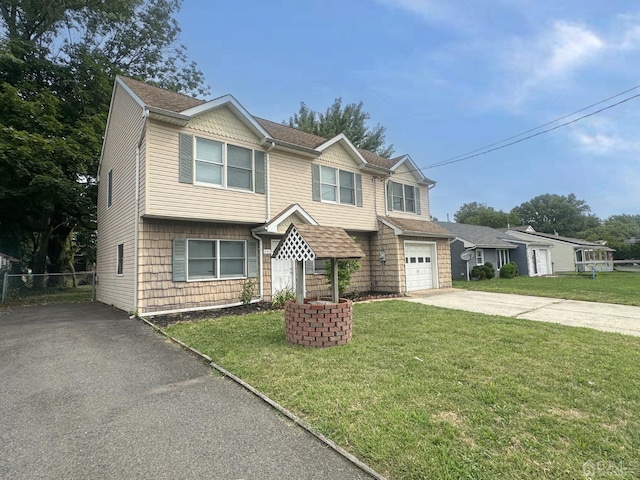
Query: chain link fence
{"type": "Point", "coordinates": [29, 288]}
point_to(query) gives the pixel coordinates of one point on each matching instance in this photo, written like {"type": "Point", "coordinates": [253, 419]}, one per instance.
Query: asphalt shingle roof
{"type": "Point", "coordinates": [479, 235]}
{"type": "Point", "coordinates": [177, 102]}
{"type": "Point", "coordinates": [418, 226]}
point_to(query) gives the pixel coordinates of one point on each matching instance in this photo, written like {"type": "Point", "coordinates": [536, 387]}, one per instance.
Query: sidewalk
{"type": "Point", "coordinates": [89, 393]}
{"type": "Point", "coordinates": [600, 316]}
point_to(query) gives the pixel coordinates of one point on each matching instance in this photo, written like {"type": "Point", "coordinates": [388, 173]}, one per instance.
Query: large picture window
{"type": "Point", "coordinates": [403, 198]}
{"type": "Point", "coordinates": [214, 259]}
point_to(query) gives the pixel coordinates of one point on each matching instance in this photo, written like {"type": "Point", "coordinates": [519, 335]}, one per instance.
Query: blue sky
{"type": "Point", "coordinates": [445, 78]}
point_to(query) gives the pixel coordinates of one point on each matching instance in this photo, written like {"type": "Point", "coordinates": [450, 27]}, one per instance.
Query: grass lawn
{"type": "Point", "coordinates": [82, 293]}
{"type": "Point", "coordinates": [614, 287]}
{"type": "Point", "coordinates": [424, 392]}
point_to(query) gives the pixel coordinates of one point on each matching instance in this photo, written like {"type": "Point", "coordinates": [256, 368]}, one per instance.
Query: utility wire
{"type": "Point", "coordinates": [535, 128]}
{"type": "Point", "coordinates": [484, 152]}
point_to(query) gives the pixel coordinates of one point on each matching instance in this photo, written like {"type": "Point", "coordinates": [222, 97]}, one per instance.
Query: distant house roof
{"type": "Point", "coordinates": [420, 228]}
{"type": "Point", "coordinates": [178, 103]}
{"type": "Point", "coordinates": [574, 241]}
{"type": "Point", "coordinates": [481, 237]}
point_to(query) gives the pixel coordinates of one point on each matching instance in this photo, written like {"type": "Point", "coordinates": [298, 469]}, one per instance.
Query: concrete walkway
{"type": "Point", "coordinates": [600, 316]}
{"type": "Point", "coordinates": [89, 393]}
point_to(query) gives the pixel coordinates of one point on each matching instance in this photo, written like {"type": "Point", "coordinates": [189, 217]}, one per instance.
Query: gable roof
{"type": "Point", "coordinates": [480, 236]}
{"type": "Point", "coordinates": [182, 105]}
{"type": "Point", "coordinates": [418, 228]}
{"type": "Point", "coordinates": [413, 168]}
{"type": "Point", "coordinates": [324, 243]}
{"type": "Point", "coordinates": [573, 241]}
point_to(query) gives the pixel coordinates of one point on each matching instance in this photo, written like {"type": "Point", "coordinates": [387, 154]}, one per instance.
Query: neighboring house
{"type": "Point", "coordinates": [194, 196]}
{"type": "Point", "coordinates": [481, 244]}
{"type": "Point", "coordinates": [6, 261]}
{"type": "Point", "coordinates": [569, 254]}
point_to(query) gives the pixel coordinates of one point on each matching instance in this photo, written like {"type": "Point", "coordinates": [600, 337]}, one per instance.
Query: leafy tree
{"type": "Point", "coordinates": [58, 60]}
{"type": "Point", "coordinates": [551, 213]}
{"type": "Point", "coordinates": [350, 120]}
{"type": "Point", "coordinates": [475, 213]}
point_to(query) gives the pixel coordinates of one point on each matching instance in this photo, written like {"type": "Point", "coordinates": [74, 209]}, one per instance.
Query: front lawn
{"type": "Point", "coordinates": [424, 392]}
{"type": "Point", "coordinates": [614, 287]}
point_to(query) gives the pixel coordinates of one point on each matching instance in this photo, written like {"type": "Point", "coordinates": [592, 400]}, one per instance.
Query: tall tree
{"type": "Point", "coordinates": [551, 213]}
{"type": "Point", "coordinates": [475, 213]}
{"type": "Point", "coordinates": [58, 60]}
{"type": "Point", "coordinates": [350, 120]}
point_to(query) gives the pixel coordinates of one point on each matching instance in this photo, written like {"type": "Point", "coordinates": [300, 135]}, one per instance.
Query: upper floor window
{"type": "Point", "coordinates": [403, 198]}
{"type": "Point", "coordinates": [221, 164]}
{"type": "Point", "coordinates": [109, 188]}
{"type": "Point", "coordinates": [336, 186]}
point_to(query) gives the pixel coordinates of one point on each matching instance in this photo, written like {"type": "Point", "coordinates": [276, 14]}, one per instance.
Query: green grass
{"type": "Point", "coordinates": [423, 392]}
{"type": "Point", "coordinates": [82, 293]}
{"type": "Point", "coordinates": [615, 287]}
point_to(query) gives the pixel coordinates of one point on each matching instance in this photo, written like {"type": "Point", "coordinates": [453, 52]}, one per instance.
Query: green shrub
{"type": "Point", "coordinates": [346, 268]}
{"type": "Point", "coordinates": [509, 270]}
{"type": "Point", "coordinates": [248, 291]}
{"type": "Point", "coordinates": [281, 296]}
{"type": "Point", "coordinates": [483, 272]}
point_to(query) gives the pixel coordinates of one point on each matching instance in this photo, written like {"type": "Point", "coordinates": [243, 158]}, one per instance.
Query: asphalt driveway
{"type": "Point", "coordinates": [87, 392]}
{"type": "Point", "coordinates": [600, 316]}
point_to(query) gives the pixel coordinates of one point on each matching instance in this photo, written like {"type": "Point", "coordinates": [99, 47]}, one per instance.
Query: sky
{"type": "Point", "coordinates": [446, 77]}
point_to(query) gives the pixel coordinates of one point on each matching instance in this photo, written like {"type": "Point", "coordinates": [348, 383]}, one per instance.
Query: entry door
{"type": "Point", "coordinates": [418, 265]}
{"type": "Point", "coordinates": [540, 261]}
{"type": "Point", "coordinates": [282, 272]}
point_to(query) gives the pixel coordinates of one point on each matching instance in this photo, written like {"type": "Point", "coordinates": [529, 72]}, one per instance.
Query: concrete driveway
{"type": "Point", "coordinates": [87, 392]}
{"type": "Point", "coordinates": [600, 316]}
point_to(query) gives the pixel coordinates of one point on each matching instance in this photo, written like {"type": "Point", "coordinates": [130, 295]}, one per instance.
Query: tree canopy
{"type": "Point", "coordinates": [58, 61]}
{"type": "Point", "coordinates": [350, 120]}
{"type": "Point", "coordinates": [475, 213]}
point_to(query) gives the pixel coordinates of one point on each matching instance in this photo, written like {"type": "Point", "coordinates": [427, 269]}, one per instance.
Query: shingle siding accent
{"type": "Point", "coordinates": [157, 290]}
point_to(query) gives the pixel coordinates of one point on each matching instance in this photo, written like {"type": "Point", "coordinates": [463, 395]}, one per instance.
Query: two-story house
{"type": "Point", "coordinates": [194, 196]}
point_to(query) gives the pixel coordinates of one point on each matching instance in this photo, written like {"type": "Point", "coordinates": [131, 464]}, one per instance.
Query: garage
{"type": "Point", "coordinates": [420, 265]}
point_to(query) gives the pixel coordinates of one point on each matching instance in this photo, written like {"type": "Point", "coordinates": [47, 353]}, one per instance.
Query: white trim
{"type": "Point", "coordinates": [236, 107]}
{"type": "Point", "coordinates": [434, 262]}
{"type": "Point", "coordinates": [477, 257]}
{"type": "Point", "coordinates": [295, 208]}
{"type": "Point", "coordinates": [195, 309]}
{"type": "Point", "coordinates": [396, 230]}
{"type": "Point", "coordinates": [414, 169]}
{"type": "Point", "coordinates": [127, 89]}
{"type": "Point", "coordinates": [343, 138]}
{"type": "Point", "coordinates": [337, 186]}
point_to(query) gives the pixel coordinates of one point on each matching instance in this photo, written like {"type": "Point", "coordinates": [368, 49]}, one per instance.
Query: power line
{"type": "Point", "coordinates": [455, 159]}
{"type": "Point", "coordinates": [535, 128]}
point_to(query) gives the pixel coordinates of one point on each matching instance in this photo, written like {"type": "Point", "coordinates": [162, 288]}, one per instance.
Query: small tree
{"type": "Point", "coordinates": [346, 268]}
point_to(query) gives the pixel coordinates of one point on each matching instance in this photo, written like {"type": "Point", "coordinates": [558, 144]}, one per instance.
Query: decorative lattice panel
{"type": "Point", "coordinates": [293, 247]}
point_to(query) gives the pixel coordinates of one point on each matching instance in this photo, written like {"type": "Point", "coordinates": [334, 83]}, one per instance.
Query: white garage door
{"type": "Point", "coordinates": [419, 266]}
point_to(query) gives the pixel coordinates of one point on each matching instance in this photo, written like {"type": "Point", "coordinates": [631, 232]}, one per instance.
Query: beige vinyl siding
{"type": "Point", "coordinates": [291, 183]}
{"type": "Point", "coordinates": [404, 176]}
{"type": "Point", "coordinates": [158, 291]}
{"type": "Point", "coordinates": [143, 177]}
{"type": "Point", "coordinates": [167, 197]}
{"type": "Point", "coordinates": [116, 224]}
{"type": "Point", "coordinates": [223, 123]}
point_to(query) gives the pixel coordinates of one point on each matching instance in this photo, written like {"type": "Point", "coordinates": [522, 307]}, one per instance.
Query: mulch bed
{"type": "Point", "coordinates": [166, 320]}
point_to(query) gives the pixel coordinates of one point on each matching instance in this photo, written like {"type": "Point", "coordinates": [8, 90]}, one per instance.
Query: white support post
{"type": "Point", "coordinates": [300, 283]}
{"type": "Point", "coordinates": [335, 292]}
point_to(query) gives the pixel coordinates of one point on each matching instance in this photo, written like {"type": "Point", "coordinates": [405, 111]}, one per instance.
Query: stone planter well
{"type": "Point", "coordinates": [318, 323]}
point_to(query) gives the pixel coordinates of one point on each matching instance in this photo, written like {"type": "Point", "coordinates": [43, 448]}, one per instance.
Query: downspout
{"type": "Point", "coordinates": [260, 270]}
{"type": "Point", "coordinates": [136, 218]}
{"type": "Point", "coordinates": [268, 179]}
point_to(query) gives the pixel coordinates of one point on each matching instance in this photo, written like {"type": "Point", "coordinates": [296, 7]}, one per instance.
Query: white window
{"type": "Point", "coordinates": [120, 260]}
{"type": "Point", "coordinates": [403, 198]}
{"type": "Point", "coordinates": [503, 257]}
{"type": "Point", "coordinates": [109, 188]}
{"type": "Point", "coordinates": [225, 165]}
{"type": "Point", "coordinates": [215, 259]}
{"type": "Point", "coordinates": [337, 186]}
{"type": "Point", "coordinates": [479, 256]}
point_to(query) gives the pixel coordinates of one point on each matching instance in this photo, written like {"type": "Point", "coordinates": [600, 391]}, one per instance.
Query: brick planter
{"type": "Point", "coordinates": [322, 324]}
